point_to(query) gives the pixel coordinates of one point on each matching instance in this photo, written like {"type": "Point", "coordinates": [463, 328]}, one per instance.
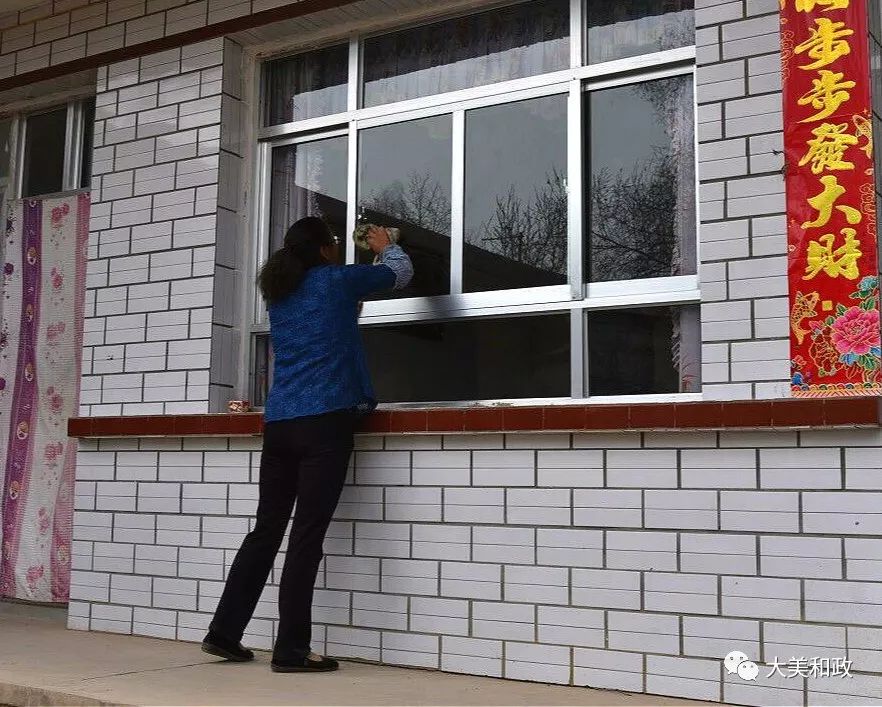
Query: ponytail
{"type": "Point", "coordinates": [280, 275]}
{"type": "Point", "coordinates": [283, 273]}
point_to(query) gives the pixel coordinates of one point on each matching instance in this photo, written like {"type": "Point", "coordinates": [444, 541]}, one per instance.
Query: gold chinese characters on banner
{"type": "Point", "coordinates": [833, 262]}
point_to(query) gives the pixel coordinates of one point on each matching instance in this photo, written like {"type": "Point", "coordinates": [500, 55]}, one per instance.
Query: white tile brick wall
{"type": "Point", "coordinates": [641, 584]}
{"type": "Point", "coordinates": [154, 235]}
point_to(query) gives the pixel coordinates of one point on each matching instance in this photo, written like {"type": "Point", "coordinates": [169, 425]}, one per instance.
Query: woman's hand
{"type": "Point", "coordinates": [378, 239]}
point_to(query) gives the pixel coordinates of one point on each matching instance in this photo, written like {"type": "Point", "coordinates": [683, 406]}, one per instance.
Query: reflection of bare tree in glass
{"type": "Point", "coordinates": [532, 232]}
{"type": "Point", "coordinates": [643, 221]}
{"type": "Point", "coordinates": [420, 201]}
{"type": "Point", "coordinates": [632, 219]}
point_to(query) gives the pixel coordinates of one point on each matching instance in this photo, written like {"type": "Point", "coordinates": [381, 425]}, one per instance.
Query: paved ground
{"type": "Point", "coordinates": [42, 663]}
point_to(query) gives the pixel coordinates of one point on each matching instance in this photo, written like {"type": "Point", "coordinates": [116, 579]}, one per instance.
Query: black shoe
{"type": "Point", "coordinates": [225, 649]}
{"type": "Point", "coordinates": [305, 665]}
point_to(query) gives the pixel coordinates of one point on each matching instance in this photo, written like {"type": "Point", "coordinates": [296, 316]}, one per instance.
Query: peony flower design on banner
{"type": "Point", "coordinates": [847, 343]}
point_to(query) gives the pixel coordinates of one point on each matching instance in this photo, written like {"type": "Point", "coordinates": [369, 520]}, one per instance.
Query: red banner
{"type": "Point", "coordinates": [833, 262]}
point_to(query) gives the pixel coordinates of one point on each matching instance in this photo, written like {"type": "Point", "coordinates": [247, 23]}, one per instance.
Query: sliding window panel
{"type": "Point", "coordinates": [305, 86]}
{"type": "Point", "coordinates": [624, 28]}
{"type": "Point", "coordinates": [640, 181]}
{"type": "Point", "coordinates": [44, 150]}
{"type": "Point", "coordinates": [471, 359]}
{"type": "Point", "coordinates": [514, 42]}
{"type": "Point", "coordinates": [644, 351]}
{"type": "Point", "coordinates": [516, 205]}
{"type": "Point", "coordinates": [404, 181]}
{"type": "Point", "coordinates": [308, 179]}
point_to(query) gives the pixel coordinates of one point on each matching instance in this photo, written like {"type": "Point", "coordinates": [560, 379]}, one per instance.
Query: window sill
{"type": "Point", "coordinates": [707, 415]}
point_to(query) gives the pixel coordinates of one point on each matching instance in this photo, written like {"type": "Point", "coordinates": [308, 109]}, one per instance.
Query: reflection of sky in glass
{"type": "Point", "coordinates": [393, 159]}
{"type": "Point", "coordinates": [625, 128]}
{"type": "Point", "coordinates": [517, 146]}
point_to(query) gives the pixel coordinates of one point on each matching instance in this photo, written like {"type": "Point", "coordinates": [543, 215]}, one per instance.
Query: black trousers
{"type": "Point", "coordinates": [304, 459]}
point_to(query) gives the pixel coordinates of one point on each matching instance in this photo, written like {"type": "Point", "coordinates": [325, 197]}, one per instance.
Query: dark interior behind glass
{"type": "Point", "coordinates": [471, 359]}
{"type": "Point", "coordinates": [644, 351]}
{"type": "Point", "coordinates": [44, 153]}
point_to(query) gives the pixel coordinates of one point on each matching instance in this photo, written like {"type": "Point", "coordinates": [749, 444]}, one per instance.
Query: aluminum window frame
{"type": "Point", "coordinates": [576, 297]}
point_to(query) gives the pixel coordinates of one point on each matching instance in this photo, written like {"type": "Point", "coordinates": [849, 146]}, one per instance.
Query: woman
{"type": "Point", "coordinates": [320, 388]}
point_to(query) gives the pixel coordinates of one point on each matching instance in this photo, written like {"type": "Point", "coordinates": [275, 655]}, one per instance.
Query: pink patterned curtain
{"type": "Point", "coordinates": [41, 333]}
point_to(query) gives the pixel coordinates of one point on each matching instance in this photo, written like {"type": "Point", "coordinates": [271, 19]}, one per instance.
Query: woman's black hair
{"type": "Point", "coordinates": [286, 268]}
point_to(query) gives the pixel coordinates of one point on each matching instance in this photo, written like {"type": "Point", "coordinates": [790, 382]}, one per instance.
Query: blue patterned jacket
{"type": "Point", "coordinates": [320, 364]}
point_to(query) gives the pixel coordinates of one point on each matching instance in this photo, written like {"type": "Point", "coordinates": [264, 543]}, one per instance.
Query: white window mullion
{"type": "Point", "coordinates": [575, 198]}
{"type": "Point", "coordinates": [457, 203]}
{"type": "Point", "coordinates": [351, 191]}
{"type": "Point", "coordinates": [262, 190]}
{"type": "Point", "coordinates": [578, 354]}
{"type": "Point", "coordinates": [577, 34]}
{"type": "Point", "coordinates": [354, 75]}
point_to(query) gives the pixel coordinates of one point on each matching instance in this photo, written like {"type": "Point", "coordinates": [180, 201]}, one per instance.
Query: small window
{"type": "Point", "coordinates": [516, 195]}
{"type": "Point", "coordinates": [640, 184]}
{"type": "Point", "coordinates": [44, 151]}
{"type": "Point", "coordinates": [471, 359]}
{"type": "Point", "coordinates": [404, 181]}
{"type": "Point", "coordinates": [510, 43]}
{"type": "Point", "coordinates": [306, 86]}
{"type": "Point", "coordinates": [644, 351]}
{"type": "Point", "coordinates": [623, 28]}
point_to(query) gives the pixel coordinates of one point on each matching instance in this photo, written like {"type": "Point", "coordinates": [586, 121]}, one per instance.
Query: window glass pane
{"type": "Point", "coordinates": [88, 142]}
{"type": "Point", "coordinates": [642, 351]}
{"type": "Point", "coordinates": [308, 179]}
{"type": "Point", "coordinates": [523, 40]}
{"type": "Point", "coordinates": [306, 86]}
{"type": "Point", "coordinates": [631, 27]}
{"type": "Point", "coordinates": [516, 195]}
{"type": "Point", "coordinates": [44, 153]}
{"type": "Point", "coordinates": [404, 181]}
{"type": "Point", "coordinates": [471, 359]}
{"type": "Point", "coordinates": [262, 375]}
{"type": "Point", "coordinates": [640, 185]}
{"type": "Point", "coordinates": [5, 148]}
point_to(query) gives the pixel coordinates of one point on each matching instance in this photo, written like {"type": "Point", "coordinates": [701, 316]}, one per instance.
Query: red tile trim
{"type": "Point", "coordinates": [710, 415]}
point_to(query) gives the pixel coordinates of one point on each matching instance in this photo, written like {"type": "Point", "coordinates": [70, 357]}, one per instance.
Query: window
{"type": "Point", "coordinates": [617, 30]}
{"type": "Point", "coordinates": [404, 181]}
{"type": "Point", "coordinates": [48, 151]}
{"type": "Point", "coordinates": [516, 195]}
{"type": "Point", "coordinates": [306, 86]}
{"type": "Point", "coordinates": [641, 184]}
{"type": "Point", "coordinates": [308, 179]}
{"type": "Point", "coordinates": [543, 183]}
{"type": "Point", "coordinates": [43, 168]}
{"type": "Point", "coordinates": [523, 40]}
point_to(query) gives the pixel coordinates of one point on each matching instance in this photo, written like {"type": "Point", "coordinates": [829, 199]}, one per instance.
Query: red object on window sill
{"type": "Point", "coordinates": [710, 415]}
